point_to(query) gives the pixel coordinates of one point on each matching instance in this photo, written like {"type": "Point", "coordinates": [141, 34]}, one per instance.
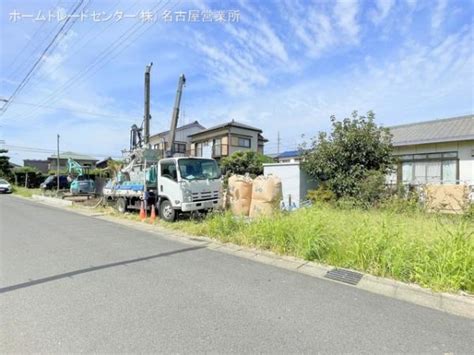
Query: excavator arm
{"type": "Point", "coordinates": [73, 167]}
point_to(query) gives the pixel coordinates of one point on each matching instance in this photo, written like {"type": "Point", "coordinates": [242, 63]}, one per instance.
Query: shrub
{"type": "Point", "coordinates": [245, 162]}
{"type": "Point", "coordinates": [321, 194]}
{"type": "Point", "coordinates": [371, 188]}
{"type": "Point", "coordinates": [352, 157]}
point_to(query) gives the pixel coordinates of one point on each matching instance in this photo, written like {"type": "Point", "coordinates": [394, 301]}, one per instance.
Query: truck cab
{"type": "Point", "coordinates": [187, 184]}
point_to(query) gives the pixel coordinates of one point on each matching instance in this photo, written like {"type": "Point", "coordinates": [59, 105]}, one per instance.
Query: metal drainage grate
{"type": "Point", "coordinates": [349, 277]}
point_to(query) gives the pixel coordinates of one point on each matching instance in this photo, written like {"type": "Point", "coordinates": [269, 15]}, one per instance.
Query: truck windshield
{"type": "Point", "coordinates": [198, 169]}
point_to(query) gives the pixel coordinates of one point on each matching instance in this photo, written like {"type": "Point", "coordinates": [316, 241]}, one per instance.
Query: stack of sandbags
{"type": "Point", "coordinates": [239, 194]}
{"type": "Point", "coordinates": [449, 198]}
{"type": "Point", "coordinates": [266, 196]}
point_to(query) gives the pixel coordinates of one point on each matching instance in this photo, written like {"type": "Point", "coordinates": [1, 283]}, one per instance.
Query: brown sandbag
{"type": "Point", "coordinates": [239, 194]}
{"type": "Point", "coordinates": [262, 209]}
{"type": "Point", "coordinates": [266, 196]}
{"type": "Point", "coordinates": [447, 198]}
{"type": "Point", "coordinates": [267, 189]}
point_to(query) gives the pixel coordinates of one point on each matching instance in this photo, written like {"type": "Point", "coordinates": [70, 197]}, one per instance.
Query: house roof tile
{"type": "Point", "coordinates": [436, 131]}
{"type": "Point", "coordinates": [228, 124]}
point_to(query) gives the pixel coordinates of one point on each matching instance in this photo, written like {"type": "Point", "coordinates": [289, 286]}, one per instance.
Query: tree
{"type": "Point", "coordinates": [27, 176]}
{"type": "Point", "coordinates": [245, 162]}
{"type": "Point", "coordinates": [5, 168]}
{"type": "Point", "coordinates": [352, 158]}
{"type": "Point", "coordinates": [114, 166]}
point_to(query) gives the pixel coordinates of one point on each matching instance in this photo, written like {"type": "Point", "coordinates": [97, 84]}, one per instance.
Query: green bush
{"type": "Point", "coordinates": [352, 158]}
{"type": "Point", "coordinates": [321, 194]}
{"type": "Point", "coordinates": [245, 162]}
{"type": "Point", "coordinates": [371, 188]}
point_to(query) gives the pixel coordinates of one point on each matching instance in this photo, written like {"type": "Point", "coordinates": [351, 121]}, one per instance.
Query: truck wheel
{"type": "Point", "coordinates": [167, 212]}
{"type": "Point", "coordinates": [121, 205]}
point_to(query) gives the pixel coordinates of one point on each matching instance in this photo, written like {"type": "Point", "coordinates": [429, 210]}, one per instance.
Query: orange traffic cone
{"type": "Point", "coordinates": [153, 214]}
{"type": "Point", "coordinates": [142, 212]}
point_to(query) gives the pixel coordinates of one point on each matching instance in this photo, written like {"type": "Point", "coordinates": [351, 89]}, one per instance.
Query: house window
{"type": "Point", "coordinates": [429, 168]}
{"type": "Point", "coordinates": [243, 142]}
{"type": "Point", "coordinates": [180, 148]}
{"type": "Point", "coordinates": [198, 152]}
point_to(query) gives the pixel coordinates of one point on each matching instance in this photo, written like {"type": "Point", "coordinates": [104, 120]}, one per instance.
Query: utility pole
{"type": "Point", "coordinates": [147, 117]}
{"type": "Point", "coordinates": [57, 177]}
{"type": "Point", "coordinates": [278, 143]}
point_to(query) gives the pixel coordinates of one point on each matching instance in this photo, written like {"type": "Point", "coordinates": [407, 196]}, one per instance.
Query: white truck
{"type": "Point", "coordinates": [173, 184]}
{"type": "Point", "coordinates": [187, 185]}
{"type": "Point", "coordinates": [182, 185]}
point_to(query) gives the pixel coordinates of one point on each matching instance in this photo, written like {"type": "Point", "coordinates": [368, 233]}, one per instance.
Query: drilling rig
{"type": "Point", "coordinates": [172, 184]}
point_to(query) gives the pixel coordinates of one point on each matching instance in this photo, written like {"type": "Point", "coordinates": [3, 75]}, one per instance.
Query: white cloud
{"type": "Point", "coordinates": [345, 12]}
{"type": "Point", "coordinates": [411, 3]}
{"type": "Point", "coordinates": [439, 14]}
{"type": "Point", "coordinates": [312, 28]}
{"type": "Point", "coordinates": [269, 63]}
{"type": "Point", "coordinates": [319, 30]}
{"type": "Point", "coordinates": [381, 11]}
{"type": "Point", "coordinates": [418, 82]}
{"type": "Point", "coordinates": [246, 58]}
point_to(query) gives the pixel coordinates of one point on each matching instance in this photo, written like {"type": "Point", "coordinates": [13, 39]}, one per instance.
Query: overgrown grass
{"type": "Point", "coordinates": [435, 251]}
{"type": "Point", "coordinates": [23, 191]}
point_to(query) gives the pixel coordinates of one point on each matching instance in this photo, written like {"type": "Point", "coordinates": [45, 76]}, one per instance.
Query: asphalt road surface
{"type": "Point", "coordinates": [71, 283]}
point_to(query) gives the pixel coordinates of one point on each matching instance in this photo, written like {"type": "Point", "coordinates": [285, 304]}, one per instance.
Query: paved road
{"type": "Point", "coordinates": [72, 283]}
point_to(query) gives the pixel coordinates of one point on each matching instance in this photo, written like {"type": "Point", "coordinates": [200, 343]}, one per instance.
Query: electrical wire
{"type": "Point", "coordinates": [90, 113]}
{"type": "Point", "coordinates": [17, 148]}
{"type": "Point", "coordinates": [101, 59]}
{"type": "Point", "coordinates": [85, 40]}
{"type": "Point", "coordinates": [15, 64]}
{"type": "Point", "coordinates": [31, 72]}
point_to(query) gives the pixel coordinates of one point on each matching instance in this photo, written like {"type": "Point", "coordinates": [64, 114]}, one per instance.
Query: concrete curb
{"type": "Point", "coordinates": [52, 201]}
{"type": "Point", "coordinates": [460, 305]}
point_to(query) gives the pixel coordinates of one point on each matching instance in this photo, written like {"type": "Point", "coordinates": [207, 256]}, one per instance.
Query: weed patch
{"type": "Point", "coordinates": [25, 192]}
{"type": "Point", "coordinates": [435, 251]}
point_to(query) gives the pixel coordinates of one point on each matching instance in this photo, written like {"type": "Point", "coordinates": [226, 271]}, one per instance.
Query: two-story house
{"type": "Point", "coordinates": [160, 140]}
{"type": "Point", "coordinates": [224, 139]}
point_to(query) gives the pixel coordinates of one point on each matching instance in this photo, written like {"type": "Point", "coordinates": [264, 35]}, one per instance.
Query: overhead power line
{"type": "Point", "coordinates": [18, 65]}
{"type": "Point", "coordinates": [31, 72]}
{"type": "Point", "coordinates": [49, 151]}
{"type": "Point", "coordinates": [85, 40]}
{"type": "Point", "coordinates": [118, 46]}
{"type": "Point", "coordinates": [83, 112]}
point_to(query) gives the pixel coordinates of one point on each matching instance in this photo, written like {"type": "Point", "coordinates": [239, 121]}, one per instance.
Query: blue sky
{"type": "Point", "coordinates": [284, 66]}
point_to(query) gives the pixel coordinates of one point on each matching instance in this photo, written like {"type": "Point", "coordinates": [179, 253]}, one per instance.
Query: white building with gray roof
{"type": "Point", "coordinates": [438, 151]}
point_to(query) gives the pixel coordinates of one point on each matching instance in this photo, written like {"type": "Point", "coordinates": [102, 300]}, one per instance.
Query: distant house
{"type": "Point", "coordinates": [290, 156]}
{"type": "Point", "coordinates": [438, 151]}
{"type": "Point", "coordinates": [13, 165]}
{"type": "Point", "coordinates": [160, 140]}
{"type": "Point", "coordinates": [102, 164]}
{"type": "Point", "coordinates": [224, 139]}
{"type": "Point", "coordinates": [82, 159]}
{"type": "Point", "coordinates": [40, 165]}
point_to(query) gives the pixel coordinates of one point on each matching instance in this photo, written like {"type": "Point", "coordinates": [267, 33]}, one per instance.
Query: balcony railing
{"type": "Point", "coordinates": [217, 151]}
